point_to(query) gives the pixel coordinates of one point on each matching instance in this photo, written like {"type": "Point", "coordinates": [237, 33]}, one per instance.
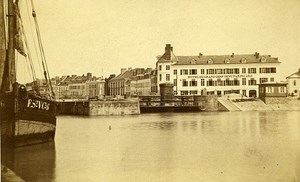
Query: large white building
{"type": "Point", "coordinates": [216, 74]}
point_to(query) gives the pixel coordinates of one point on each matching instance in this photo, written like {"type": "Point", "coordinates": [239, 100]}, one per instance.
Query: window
{"type": "Point", "coordinates": [244, 60]}
{"type": "Point", "coordinates": [175, 72]}
{"type": "Point", "coordinates": [193, 61]}
{"type": "Point", "coordinates": [159, 67]}
{"type": "Point", "coordinates": [210, 82]}
{"type": "Point", "coordinates": [295, 83]}
{"type": "Point", "coordinates": [272, 79]}
{"type": "Point", "coordinates": [193, 71]}
{"type": "Point", "coordinates": [219, 82]}
{"type": "Point", "coordinates": [218, 71]}
{"type": "Point", "coordinates": [167, 67]}
{"type": "Point", "coordinates": [210, 71]}
{"type": "Point", "coordinates": [185, 83]}
{"type": "Point", "coordinates": [202, 82]}
{"type": "Point", "coordinates": [175, 82]}
{"type": "Point", "coordinates": [160, 77]}
{"type": "Point", "coordinates": [282, 90]}
{"type": "Point", "coordinates": [202, 71]}
{"type": "Point", "coordinates": [236, 82]}
{"type": "Point", "coordinates": [167, 77]}
{"type": "Point", "coordinates": [252, 81]}
{"type": "Point", "coordinates": [184, 72]}
{"type": "Point", "coordinates": [263, 80]}
{"type": "Point", "coordinates": [244, 92]}
{"type": "Point", "coordinates": [228, 71]}
{"type": "Point", "coordinates": [236, 71]}
{"type": "Point", "coordinates": [267, 70]}
{"type": "Point", "coordinates": [243, 70]}
{"type": "Point", "coordinates": [227, 82]}
{"type": "Point", "coordinates": [184, 92]}
{"type": "Point", "coordinates": [269, 90]}
{"type": "Point", "coordinates": [193, 92]}
{"type": "Point", "coordinates": [193, 83]}
{"type": "Point", "coordinates": [243, 81]}
{"type": "Point", "coordinates": [251, 70]}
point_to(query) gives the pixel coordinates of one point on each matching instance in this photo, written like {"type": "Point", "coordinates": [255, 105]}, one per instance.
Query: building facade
{"type": "Point", "coordinates": [142, 84]}
{"type": "Point", "coordinates": [293, 86]}
{"type": "Point", "coordinates": [127, 83]}
{"type": "Point", "coordinates": [216, 74]}
{"type": "Point", "coordinates": [272, 90]}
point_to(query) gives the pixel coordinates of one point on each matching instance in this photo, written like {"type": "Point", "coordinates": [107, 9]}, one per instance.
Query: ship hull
{"type": "Point", "coordinates": [26, 119]}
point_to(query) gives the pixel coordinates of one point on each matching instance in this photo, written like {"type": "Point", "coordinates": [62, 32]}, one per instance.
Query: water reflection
{"type": "Point", "coordinates": [217, 146]}
{"type": "Point", "coordinates": [32, 163]}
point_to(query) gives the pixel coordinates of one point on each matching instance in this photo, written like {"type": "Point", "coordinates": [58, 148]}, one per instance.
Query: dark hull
{"type": "Point", "coordinates": [158, 109]}
{"type": "Point", "coordinates": [26, 119]}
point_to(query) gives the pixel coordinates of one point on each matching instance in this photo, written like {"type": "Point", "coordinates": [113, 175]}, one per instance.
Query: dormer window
{"type": "Point", "coordinates": [193, 61]}
{"type": "Point", "coordinates": [210, 61]}
{"type": "Point", "coordinates": [263, 59]}
{"type": "Point", "coordinates": [243, 60]}
{"type": "Point", "coordinates": [227, 60]}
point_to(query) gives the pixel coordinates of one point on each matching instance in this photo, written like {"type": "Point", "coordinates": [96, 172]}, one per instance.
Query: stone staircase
{"type": "Point", "coordinates": [252, 105]}
{"type": "Point", "coordinates": [228, 104]}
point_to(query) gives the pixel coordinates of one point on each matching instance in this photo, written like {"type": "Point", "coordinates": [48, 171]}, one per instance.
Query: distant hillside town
{"type": "Point", "coordinates": [190, 75]}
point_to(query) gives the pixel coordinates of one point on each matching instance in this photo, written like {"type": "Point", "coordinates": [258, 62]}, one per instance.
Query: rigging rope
{"type": "Point", "coordinates": [33, 38]}
{"type": "Point", "coordinates": [28, 57]}
{"type": "Point", "coordinates": [43, 57]}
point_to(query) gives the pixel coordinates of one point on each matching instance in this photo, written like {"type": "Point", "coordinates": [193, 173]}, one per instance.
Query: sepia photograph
{"type": "Point", "coordinates": [150, 90]}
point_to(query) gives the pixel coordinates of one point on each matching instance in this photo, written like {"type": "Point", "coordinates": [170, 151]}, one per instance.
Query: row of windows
{"type": "Point", "coordinates": [167, 67]}
{"type": "Point", "coordinates": [224, 71]}
{"type": "Point", "coordinates": [195, 92]}
{"type": "Point", "coordinates": [271, 90]}
{"type": "Point", "coordinates": [117, 84]}
{"type": "Point", "coordinates": [73, 87]}
{"type": "Point", "coordinates": [219, 82]}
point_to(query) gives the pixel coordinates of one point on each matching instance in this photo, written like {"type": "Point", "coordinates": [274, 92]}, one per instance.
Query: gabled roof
{"type": "Point", "coordinates": [225, 59]}
{"type": "Point", "coordinates": [294, 74]}
{"type": "Point", "coordinates": [126, 74]}
{"type": "Point", "coordinates": [164, 58]}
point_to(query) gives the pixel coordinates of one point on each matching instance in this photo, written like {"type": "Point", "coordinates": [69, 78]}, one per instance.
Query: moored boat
{"type": "Point", "coordinates": [27, 116]}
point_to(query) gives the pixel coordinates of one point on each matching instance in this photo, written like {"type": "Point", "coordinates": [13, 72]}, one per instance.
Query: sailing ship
{"type": "Point", "coordinates": [27, 117]}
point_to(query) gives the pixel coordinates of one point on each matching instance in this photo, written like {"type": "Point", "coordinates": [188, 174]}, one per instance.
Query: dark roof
{"type": "Point", "coordinates": [126, 74]}
{"type": "Point", "coordinates": [222, 59]}
{"type": "Point", "coordinates": [165, 58]}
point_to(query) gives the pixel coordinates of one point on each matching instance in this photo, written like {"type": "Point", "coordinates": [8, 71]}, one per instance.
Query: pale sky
{"type": "Point", "coordinates": [101, 37]}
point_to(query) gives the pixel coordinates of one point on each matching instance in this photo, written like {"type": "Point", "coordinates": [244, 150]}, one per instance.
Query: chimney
{"type": "Point", "coordinates": [123, 70]}
{"type": "Point", "coordinates": [168, 50]}
{"type": "Point", "coordinates": [89, 76]}
{"type": "Point", "coordinates": [232, 55]}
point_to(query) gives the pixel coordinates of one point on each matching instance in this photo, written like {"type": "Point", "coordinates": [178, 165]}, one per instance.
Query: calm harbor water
{"type": "Point", "coordinates": [207, 146]}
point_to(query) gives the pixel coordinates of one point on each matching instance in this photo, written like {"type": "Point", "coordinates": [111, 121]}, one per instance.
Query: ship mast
{"type": "Point", "coordinates": [3, 43]}
{"type": "Point", "coordinates": [10, 74]}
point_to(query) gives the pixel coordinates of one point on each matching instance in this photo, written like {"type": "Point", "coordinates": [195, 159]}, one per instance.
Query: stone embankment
{"type": "Point", "coordinates": [239, 103]}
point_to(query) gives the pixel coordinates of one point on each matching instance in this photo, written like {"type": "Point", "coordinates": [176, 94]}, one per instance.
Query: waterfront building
{"type": "Point", "coordinates": [272, 90]}
{"type": "Point", "coordinates": [85, 86]}
{"type": "Point", "coordinates": [216, 74]}
{"type": "Point", "coordinates": [95, 88]}
{"type": "Point", "coordinates": [120, 85]}
{"type": "Point", "coordinates": [293, 86]}
{"type": "Point", "coordinates": [107, 86]}
{"type": "Point", "coordinates": [142, 84]}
